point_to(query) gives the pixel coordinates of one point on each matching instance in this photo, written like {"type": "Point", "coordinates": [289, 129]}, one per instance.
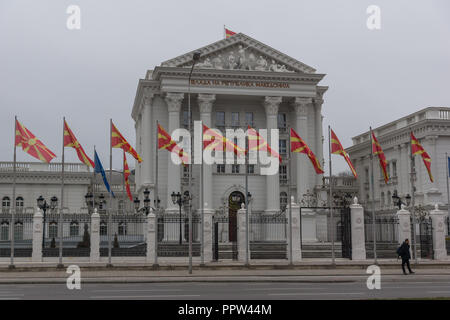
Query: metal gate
{"type": "Point", "coordinates": [223, 248]}
{"type": "Point", "coordinates": [425, 237]}
{"type": "Point", "coordinates": [346, 233]}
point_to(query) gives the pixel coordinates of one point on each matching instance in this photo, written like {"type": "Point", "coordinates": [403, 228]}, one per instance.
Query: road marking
{"type": "Point", "coordinates": [446, 292]}
{"type": "Point", "coordinates": [10, 294]}
{"type": "Point", "coordinates": [10, 298]}
{"type": "Point", "coordinates": [134, 290]}
{"type": "Point", "coordinates": [312, 293]}
{"type": "Point", "coordinates": [270, 289]}
{"type": "Point", "coordinates": [149, 296]}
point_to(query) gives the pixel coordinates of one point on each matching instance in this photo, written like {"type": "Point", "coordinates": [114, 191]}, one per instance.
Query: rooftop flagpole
{"type": "Point", "coordinates": [11, 224]}
{"type": "Point", "coordinates": [372, 191]}
{"type": "Point", "coordinates": [413, 198]}
{"type": "Point", "coordinates": [110, 194]}
{"type": "Point", "coordinates": [60, 224]}
{"type": "Point", "coordinates": [333, 258]}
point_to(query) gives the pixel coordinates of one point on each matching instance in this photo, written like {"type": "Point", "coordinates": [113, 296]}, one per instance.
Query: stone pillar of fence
{"type": "Point", "coordinates": [295, 232]}
{"type": "Point", "coordinates": [438, 223]}
{"type": "Point", "coordinates": [151, 229]}
{"type": "Point", "coordinates": [357, 227]}
{"type": "Point", "coordinates": [36, 255]}
{"type": "Point", "coordinates": [241, 230]}
{"type": "Point", "coordinates": [95, 237]}
{"type": "Point", "coordinates": [404, 225]}
{"type": "Point", "coordinates": [207, 234]}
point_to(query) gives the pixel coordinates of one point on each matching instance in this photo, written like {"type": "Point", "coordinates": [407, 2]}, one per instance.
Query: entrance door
{"type": "Point", "coordinates": [234, 204]}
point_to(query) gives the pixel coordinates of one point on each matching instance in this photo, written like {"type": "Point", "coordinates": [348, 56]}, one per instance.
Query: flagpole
{"type": "Point", "coordinates": [124, 193]}
{"type": "Point", "coordinates": [11, 225]}
{"type": "Point", "coordinates": [289, 200]}
{"type": "Point", "coordinates": [93, 187]}
{"type": "Point", "coordinates": [202, 206]}
{"type": "Point", "coordinates": [155, 264]}
{"type": "Point", "coordinates": [448, 192]}
{"type": "Point", "coordinates": [333, 258]}
{"type": "Point", "coordinates": [110, 194]}
{"type": "Point", "coordinates": [247, 264]}
{"type": "Point", "coordinates": [60, 264]}
{"type": "Point", "coordinates": [372, 187]}
{"type": "Point", "coordinates": [413, 213]}
{"type": "Point", "coordinates": [224, 32]}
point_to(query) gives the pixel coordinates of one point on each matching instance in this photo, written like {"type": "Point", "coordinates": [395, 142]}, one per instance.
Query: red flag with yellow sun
{"type": "Point", "coordinates": [32, 145]}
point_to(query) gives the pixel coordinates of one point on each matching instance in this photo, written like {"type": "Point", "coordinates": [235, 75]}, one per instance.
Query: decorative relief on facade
{"type": "Point", "coordinates": [205, 102]}
{"type": "Point", "coordinates": [173, 101]}
{"type": "Point", "coordinates": [271, 104]}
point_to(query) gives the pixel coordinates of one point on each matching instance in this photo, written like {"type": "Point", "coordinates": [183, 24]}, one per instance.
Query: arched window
{"type": "Point", "coordinates": [4, 231]}
{"type": "Point", "coordinates": [122, 228]}
{"type": "Point", "coordinates": [6, 204]}
{"type": "Point", "coordinates": [18, 230]}
{"type": "Point", "coordinates": [19, 204]}
{"type": "Point", "coordinates": [53, 229]}
{"type": "Point", "coordinates": [283, 199]}
{"type": "Point", "coordinates": [74, 229]}
{"type": "Point", "coordinates": [103, 228]}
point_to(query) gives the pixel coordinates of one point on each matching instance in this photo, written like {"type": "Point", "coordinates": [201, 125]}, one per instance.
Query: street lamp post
{"type": "Point", "coordinates": [398, 201]}
{"type": "Point", "coordinates": [180, 201]}
{"type": "Point", "coordinates": [44, 206]}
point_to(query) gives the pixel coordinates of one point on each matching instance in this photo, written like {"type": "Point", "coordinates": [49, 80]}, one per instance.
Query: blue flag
{"type": "Point", "coordinates": [99, 169]}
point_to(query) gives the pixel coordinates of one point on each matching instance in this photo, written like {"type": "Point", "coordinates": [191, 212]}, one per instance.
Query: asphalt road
{"type": "Point", "coordinates": [231, 290]}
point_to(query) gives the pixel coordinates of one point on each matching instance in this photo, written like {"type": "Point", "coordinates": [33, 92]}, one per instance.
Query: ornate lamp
{"type": "Point", "coordinates": [40, 201]}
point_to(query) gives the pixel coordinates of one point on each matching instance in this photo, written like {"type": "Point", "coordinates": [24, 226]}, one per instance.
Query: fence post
{"type": "Point", "coordinates": [404, 224]}
{"type": "Point", "coordinates": [357, 227]}
{"type": "Point", "coordinates": [295, 246]}
{"type": "Point", "coordinates": [438, 228]}
{"type": "Point", "coordinates": [241, 234]}
{"type": "Point", "coordinates": [36, 255]}
{"type": "Point", "coordinates": [95, 237]}
{"type": "Point", "coordinates": [151, 229]}
{"type": "Point", "coordinates": [207, 235]}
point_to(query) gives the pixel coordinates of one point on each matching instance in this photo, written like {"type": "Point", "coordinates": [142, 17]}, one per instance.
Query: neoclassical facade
{"type": "Point", "coordinates": [432, 127]}
{"type": "Point", "coordinates": [237, 82]}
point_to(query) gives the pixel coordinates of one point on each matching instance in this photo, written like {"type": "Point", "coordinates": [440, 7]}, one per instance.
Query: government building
{"type": "Point", "coordinates": [238, 81]}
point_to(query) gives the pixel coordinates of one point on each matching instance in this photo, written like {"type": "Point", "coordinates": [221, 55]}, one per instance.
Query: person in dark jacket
{"type": "Point", "coordinates": [404, 253]}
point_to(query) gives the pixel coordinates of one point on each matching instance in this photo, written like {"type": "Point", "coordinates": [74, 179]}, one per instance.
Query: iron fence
{"type": "Point", "coordinates": [267, 227]}
{"type": "Point", "coordinates": [23, 234]}
{"type": "Point", "coordinates": [386, 229]}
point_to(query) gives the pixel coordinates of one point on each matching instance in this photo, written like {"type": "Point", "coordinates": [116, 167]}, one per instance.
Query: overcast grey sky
{"type": "Point", "coordinates": [90, 75]}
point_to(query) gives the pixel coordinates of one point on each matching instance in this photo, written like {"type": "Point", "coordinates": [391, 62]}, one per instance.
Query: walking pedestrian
{"type": "Point", "coordinates": [404, 252]}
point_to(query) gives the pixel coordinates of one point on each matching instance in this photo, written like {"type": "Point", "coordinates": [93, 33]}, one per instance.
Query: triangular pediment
{"type": "Point", "coordinates": [241, 52]}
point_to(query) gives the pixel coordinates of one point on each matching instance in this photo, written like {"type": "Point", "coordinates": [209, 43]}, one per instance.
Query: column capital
{"type": "Point", "coordinates": [205, 102]}
{"type": "Point", "coordinates": [301, 104]}
{"type": "Point", "coordinates": [271, 105]}
{"type": "Point", "coordinates": [173, 101]}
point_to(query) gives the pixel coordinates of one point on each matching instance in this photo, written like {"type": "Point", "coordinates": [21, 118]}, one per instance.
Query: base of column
{"type": "Point", "coordinates": [358, 254]}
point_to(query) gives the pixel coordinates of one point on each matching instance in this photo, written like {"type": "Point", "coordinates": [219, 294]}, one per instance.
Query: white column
{"type": "Point", "coordinates": [404, 225]}
{"type": "Point", "coordinates": [357, 226]}
{"type": "Point", "coordinates": [301, 127]}
{"type": "Point", "coordinates": [438, 223]}
{"type": "Point", "coordinates": [241, 227]}
{"type": "Point", "coordinates": [95, 237]}
{"type": "Point", "coordinates": [319, 135]}
{"type": "Point", "coordinates": [147, 132]}
{"type": "Point", "coordinates": [271, 105]}
{"type": "Point", "coordinates": [205, 103]}
{"type": "Point", "coordinates": [296, 232]}
{"type": "Point", "coordinates": [36, 255]}
{"type": "Point", "coordinates": [150, 232]}
{"type": "Point", "coordinates": [173, 101]}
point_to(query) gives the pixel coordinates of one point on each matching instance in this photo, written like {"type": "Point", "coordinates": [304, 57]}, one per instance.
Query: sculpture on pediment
{"type": "Point", "coordinates": [205, 64]}
{"type": "Point", "coordinates": [261, 64]}
{"type": "Point", "coordinates": [218, 62]}
{"type": "Point", "coordinates": [251, 61]}
{"type": "Point", "coordinates": [242, 62]}
{"type": "Point", "coordinates": [232, 63]}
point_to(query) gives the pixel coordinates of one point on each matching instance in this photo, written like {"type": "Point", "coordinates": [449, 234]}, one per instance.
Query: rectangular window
{"type": "Point", "coordinates": [220, 168]}
{"type": "Point", "coordinates": [366, 174]}
{"type": "Point", "coordinates": [282, 123]}
{"type": "Point", "coordinates": [249, 119]}
{"type": "Point", "coordinates": [251, 169]}
{"type": "Point", "coordinates": [394, 168]}
{"type": "Point", "coordinates": [387, 169]}
{"type": "Point", "coordinates": [186, 118]}
{"type": "Point", "coordinates": [235, 119]}
{"type": "Point", "coordinates": [283, 174]}
{"type": "Point", "coordinates": [282, 146]}
{"type": "Point", "coordinates": [220, 119]}
{"type": "Point", "coordinates": [235, 168]}
{"type": "Point", "coordinates": [186, 172]}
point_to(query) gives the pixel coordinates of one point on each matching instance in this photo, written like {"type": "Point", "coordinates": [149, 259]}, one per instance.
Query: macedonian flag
{"type": "Point", "coordinates": [118, 141]}
{"type": "Point", "coordinates": [165, 142]}
{"type": "Point", "coordinates": [336, 148]}
{"type": "Point", "coordinates": [416, 148]}
{"type": "Point", "coordinates": [298, 145]}
{"type": "Point", "coordinates": [71, 141]}
{"type": "Point", "coordinates": [256, 142]}
{"type": "Point", "coordinates": [32, 145]}
{"type": "Point", "coordinates": [229, 33]}
{"type": "Point", "coordinates": [126, 174]}
{"type": "Point", "coordinates": [212, 138]}
{"type": "Point", "coordinates": [376, 150]}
